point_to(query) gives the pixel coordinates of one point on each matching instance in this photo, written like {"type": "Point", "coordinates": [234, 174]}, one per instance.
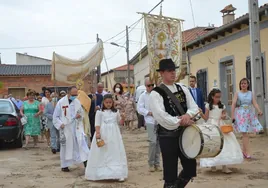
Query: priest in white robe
{"type": "Point", "coordinates": [68, 119]}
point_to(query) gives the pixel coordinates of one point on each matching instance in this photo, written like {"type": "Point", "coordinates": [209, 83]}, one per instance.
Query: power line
{"type": "Point", "coordinates": [79, 44]}
{"type": "Point", "coordinates": [115, 52]}
{"type": "Point", "coordinates": [192, 10]}
{"type": "Point", "coordinates": [131, 29]}
{"type": "Point", "coordinates": [48, 46]}
{"type": "Point", "coordinates": [136, 21]}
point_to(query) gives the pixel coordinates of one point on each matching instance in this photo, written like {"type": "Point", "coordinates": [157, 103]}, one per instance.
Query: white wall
{"type": "Point", "coordinates": [141, 69]}
{"type": "Point", "coordinates": [24, 59]}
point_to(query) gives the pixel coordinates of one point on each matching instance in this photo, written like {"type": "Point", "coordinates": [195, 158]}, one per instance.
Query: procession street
{"type": "Point", "coordinates": [39, 168]}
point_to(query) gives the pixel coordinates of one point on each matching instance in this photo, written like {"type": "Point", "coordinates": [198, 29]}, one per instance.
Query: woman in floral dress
{"type": "Point", "coordinates": [31, 109]}
{"type": "Point", "coordinates": [130, 112]}
{"type": "Point", "coordinates": [245, 118]}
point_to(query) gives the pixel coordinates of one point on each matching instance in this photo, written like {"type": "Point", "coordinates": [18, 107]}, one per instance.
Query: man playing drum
{"type": "Point", "coordinates": [173, 106]}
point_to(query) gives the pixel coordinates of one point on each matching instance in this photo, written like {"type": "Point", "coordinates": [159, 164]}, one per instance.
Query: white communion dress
{"type": "Point", "coordinates": [108, 162]}
{"type": "Point", "coordinates": [231, 152]}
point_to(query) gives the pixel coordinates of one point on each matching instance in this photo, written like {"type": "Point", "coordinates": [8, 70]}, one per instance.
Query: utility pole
{"type": "Point", "coordinates": [255, 55]}
{"type": "Point", "coordinates": [98, 67]}
{"type": "Point", "coordinates": [128, 65]}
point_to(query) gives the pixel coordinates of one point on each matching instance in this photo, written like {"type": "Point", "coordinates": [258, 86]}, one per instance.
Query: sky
{"type": "Point", "coordinates": [39, 23]}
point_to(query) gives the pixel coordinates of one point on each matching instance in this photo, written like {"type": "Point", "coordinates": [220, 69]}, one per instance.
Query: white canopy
{"type": "Point", "coordinates": [69, 70]}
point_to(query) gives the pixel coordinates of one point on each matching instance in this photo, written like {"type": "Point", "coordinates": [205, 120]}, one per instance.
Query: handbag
{"type": "Point", "coordinates": [23, 120]}
{"type": "Point", "coordinates": [227, 127]}
{"type": "Point", "coordinates": [100, 142]}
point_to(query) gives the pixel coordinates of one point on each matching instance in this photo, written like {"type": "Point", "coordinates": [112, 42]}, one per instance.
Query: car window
{"type": "Point", "coordinates": [15, 106]}
{"type": "Point", "coordinates": [6, 107]}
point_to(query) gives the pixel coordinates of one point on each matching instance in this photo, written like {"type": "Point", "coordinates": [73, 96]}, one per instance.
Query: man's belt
{"type": "Point", "coordinates": [163, 132]}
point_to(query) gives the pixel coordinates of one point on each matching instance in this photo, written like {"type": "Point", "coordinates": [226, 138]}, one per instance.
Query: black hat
{"type": "Point", "coordinates": [166, 64]}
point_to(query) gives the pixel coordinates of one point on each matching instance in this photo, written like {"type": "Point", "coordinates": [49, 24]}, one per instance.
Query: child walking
{"type": "Point", "coordinates": [108, 162]}
{"type": "Point", "coordinates": [231, 152]}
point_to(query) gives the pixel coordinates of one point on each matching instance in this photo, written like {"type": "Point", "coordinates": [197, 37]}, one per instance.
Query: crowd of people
{"type": "Point", "coordinates": [86, 128]}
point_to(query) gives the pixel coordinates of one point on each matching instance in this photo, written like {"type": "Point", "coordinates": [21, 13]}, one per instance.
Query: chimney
{"type": "Point", "coordinates": [228, 14]}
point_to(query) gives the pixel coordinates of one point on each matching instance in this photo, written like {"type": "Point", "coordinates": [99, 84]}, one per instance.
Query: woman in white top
{"type": "Point", "coordinates": [44, 125]}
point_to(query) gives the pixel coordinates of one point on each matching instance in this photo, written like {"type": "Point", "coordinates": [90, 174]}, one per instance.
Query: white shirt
{"type": "Point", "coordinates": [193, 89]}
{"type": "Point", "coordinates": [45, 101]}
{"type": "Point", "coordinates": [143, 108]}
{"type": "Point", "coordinates": [103, 93]}
{"type": "Point", "coordinates": [156, 104]}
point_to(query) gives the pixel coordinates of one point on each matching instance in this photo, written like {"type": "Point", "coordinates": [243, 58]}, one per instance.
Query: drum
{"type": "Point", "coordinates": [201, 141]}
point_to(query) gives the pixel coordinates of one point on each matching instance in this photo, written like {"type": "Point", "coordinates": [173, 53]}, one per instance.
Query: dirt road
{"type": "Point", "coordinates": [39, 168]}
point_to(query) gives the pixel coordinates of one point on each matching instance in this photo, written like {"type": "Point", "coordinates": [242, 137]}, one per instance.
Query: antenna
{"type": "Point", "coordinates": [161, 9]}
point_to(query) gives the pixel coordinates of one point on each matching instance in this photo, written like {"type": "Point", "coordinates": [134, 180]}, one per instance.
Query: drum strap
{"type": "Point", "coordinates": [173, 98]}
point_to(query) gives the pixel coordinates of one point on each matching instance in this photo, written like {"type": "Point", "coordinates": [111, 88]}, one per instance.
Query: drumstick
{"type": "Point", "coordinates": [195, 115]}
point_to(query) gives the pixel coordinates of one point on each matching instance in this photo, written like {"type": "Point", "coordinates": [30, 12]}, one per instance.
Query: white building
{"type": "Point", "coordinates": [141, 59]}
{"type": "Point", "coordinates": [25, 59]}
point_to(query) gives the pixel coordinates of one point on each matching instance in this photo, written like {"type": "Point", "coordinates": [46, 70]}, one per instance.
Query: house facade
{"type": "Point", "coordinates": [141, 59]}
{"type": "Point", "coordinates": [221, 58]}
{"type": "Point", "coordinates": [31, 72]}
{"type": "Point", "coordinates": [25, 59]}
{"type": "Point", "coordinates": [118, 75]}
{"type": "Point", "coordinates": [17, 79]}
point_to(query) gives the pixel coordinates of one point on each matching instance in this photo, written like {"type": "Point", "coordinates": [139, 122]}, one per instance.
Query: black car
{"type": "Point", "coordinates": [11, 129]}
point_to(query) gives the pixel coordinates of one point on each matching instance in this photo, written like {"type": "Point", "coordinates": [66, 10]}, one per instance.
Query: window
{"type": "Point", "coordinates": [17, 92]}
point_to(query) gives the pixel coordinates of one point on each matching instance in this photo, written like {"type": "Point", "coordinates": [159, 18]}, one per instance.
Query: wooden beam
{"type": "Point", "coordinates": [238, 26]}
{"type": "Point", "coordinates": [229, 30]}
{"type": "Point", "coordinates": [215, 37]}
{"type": "Point", "coordinates": [222, 34]}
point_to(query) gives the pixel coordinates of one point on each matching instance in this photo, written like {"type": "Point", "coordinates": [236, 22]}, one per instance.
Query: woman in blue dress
{"type": "Point", "coordinates": [245, 118]}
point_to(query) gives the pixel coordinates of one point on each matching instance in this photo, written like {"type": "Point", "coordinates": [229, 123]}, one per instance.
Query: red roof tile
{"type": "Point", "coordinates": [124, 67]}
{"type": "Point", "coordinates": [192, 34]}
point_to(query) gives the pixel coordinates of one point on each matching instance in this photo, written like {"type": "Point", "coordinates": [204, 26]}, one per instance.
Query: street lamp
{"type": "Point", "coordinates": [127, 51]}
{"type": "Point", "coordinates": [115, 44]}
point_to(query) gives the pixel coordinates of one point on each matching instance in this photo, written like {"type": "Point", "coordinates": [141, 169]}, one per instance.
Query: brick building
{"type": "Point", "coordinates": [17, 79]}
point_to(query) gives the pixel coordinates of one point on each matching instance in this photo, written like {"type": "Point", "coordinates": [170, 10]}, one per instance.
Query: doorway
{"type": "Point", "coordinates": [17, 92]}
{"type": "Point", "coordinates": [227, 83]}
{"type": "Point", "coordinates": [202, 81]}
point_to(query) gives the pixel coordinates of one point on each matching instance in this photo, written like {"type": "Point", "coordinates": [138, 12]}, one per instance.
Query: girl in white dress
{"type": "Point", "coordinates": [231, 152]}
{"type": "Point", "coordinates": [108, 162]}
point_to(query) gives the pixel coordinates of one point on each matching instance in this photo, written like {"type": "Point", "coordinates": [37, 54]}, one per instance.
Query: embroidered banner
{"type": "Point", "coordinates": [164, 40]}
{"type": "Point", "coordinates": [69, 71]}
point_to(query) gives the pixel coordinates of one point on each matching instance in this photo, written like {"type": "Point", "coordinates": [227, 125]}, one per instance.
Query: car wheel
{"type": "Point", "coordinates": [19, 141]}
